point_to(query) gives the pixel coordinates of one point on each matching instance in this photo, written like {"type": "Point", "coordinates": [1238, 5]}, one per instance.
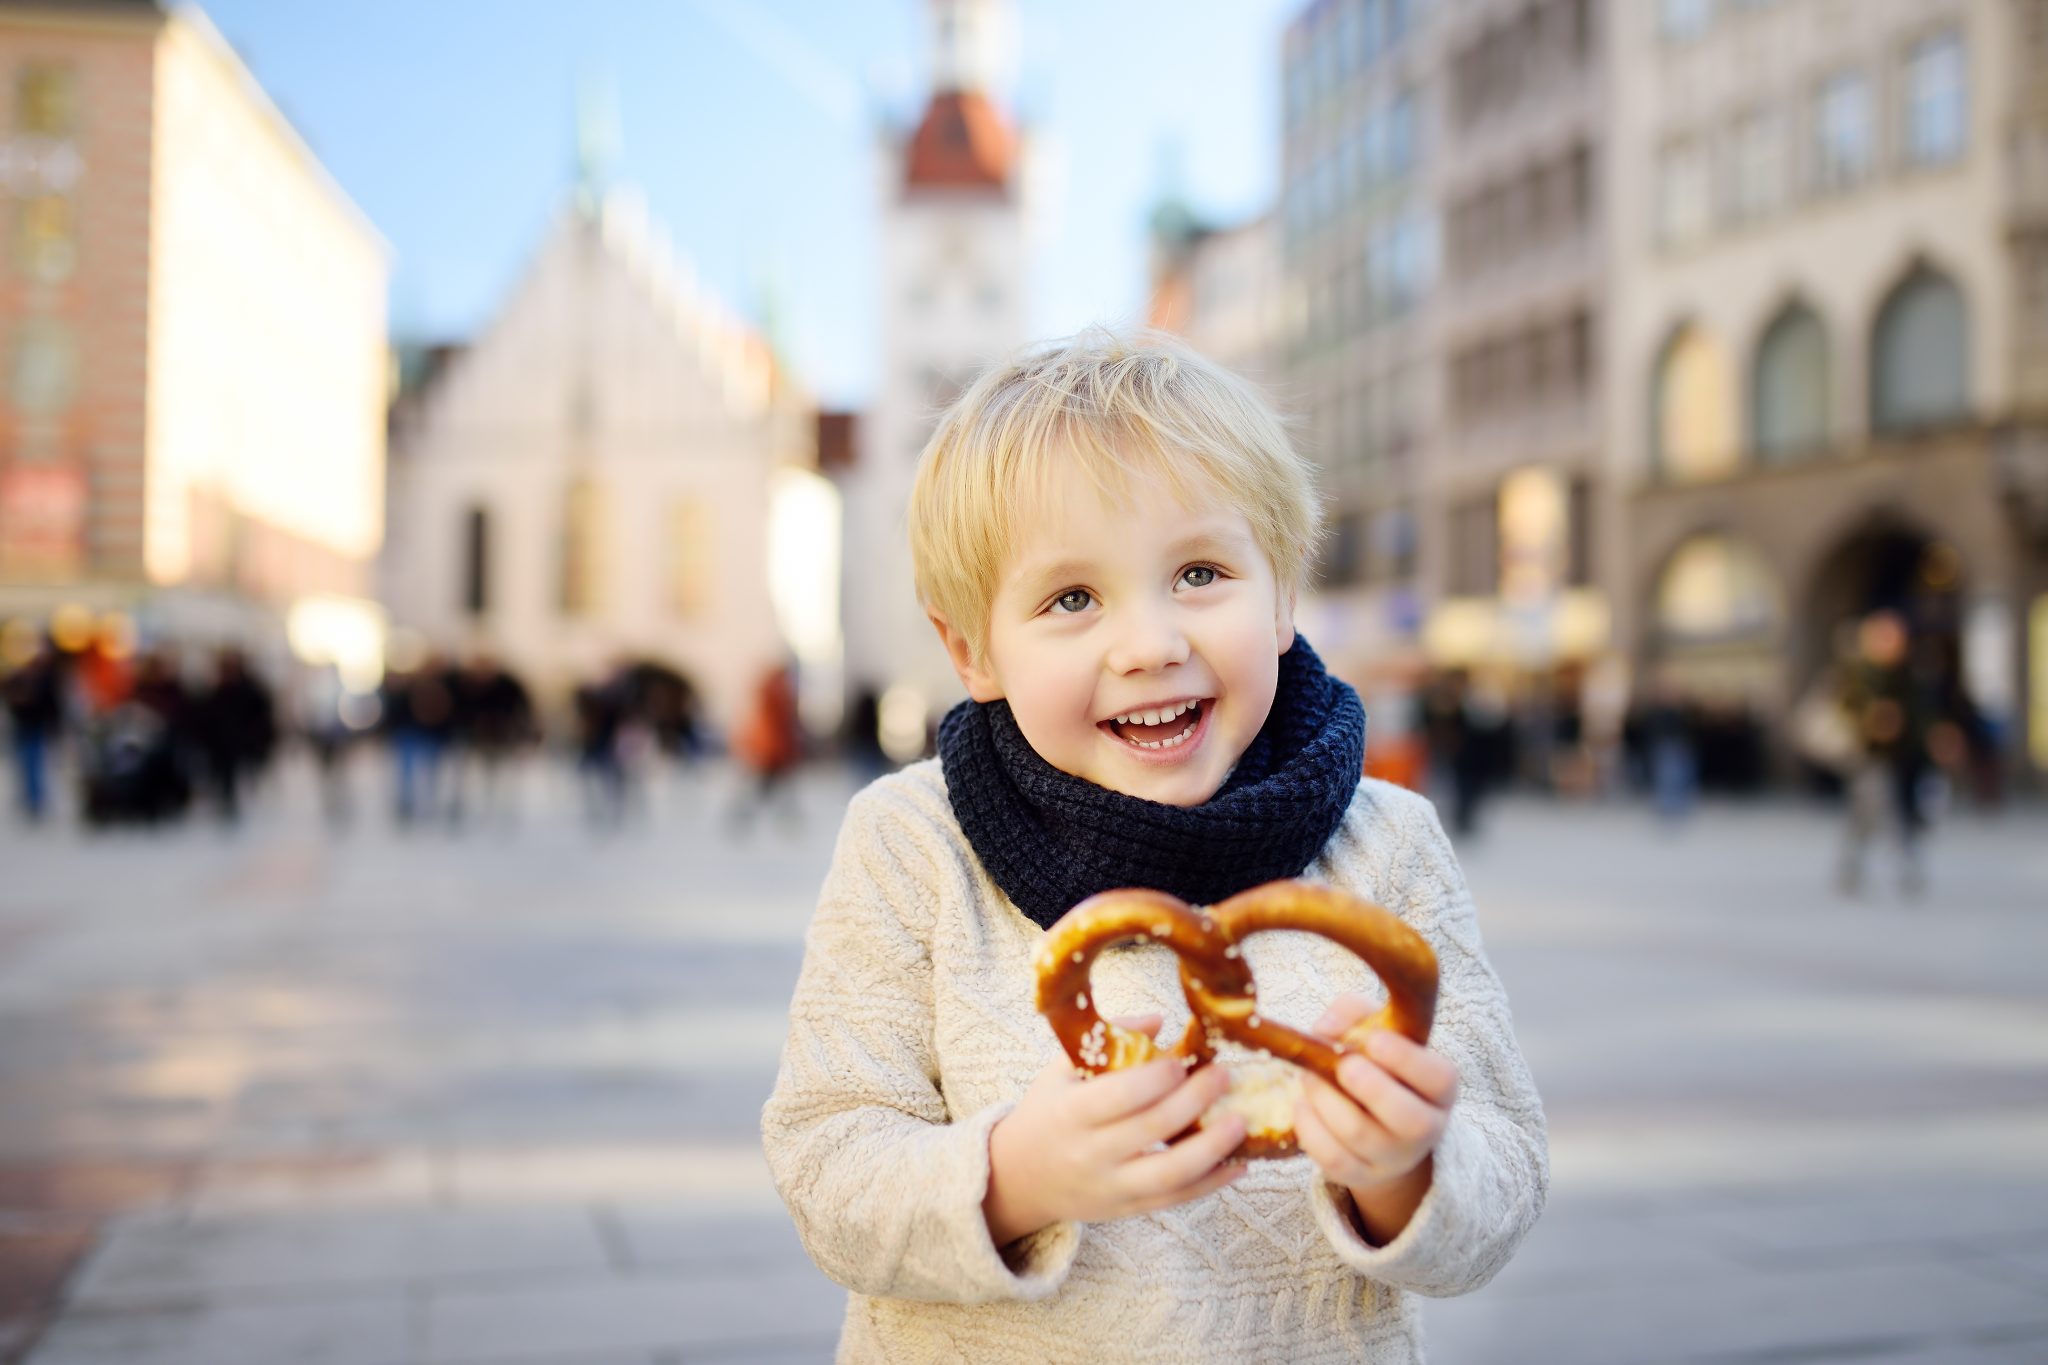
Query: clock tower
{"type": "Point", "coordinates": [953, 243]}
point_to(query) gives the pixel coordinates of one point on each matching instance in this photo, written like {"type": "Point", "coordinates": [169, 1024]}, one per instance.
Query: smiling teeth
{"type": "Point", "coordinates": [1156, 717]}
{"type": "Point", "coordinates": [1180, 738]}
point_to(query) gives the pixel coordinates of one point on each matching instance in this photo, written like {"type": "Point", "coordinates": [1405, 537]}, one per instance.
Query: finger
{"type": "Point", "coordinates": [1332, 1156]}
{"type": "Point", "coordinates": [1429, 1074]}
{"type": "Point", "coordinates": [1216, 1179]}
{"type": "Point", "coordinates": [1160, 1174]}
{"type": "Point", "coordinates": [1118, 1094]}
{"type": "Point", "coordinates": [1174, 1112]}
{"type": "Point", "coordinates": [1361, 1135]}
{"type": "Point", "coordinates": [1403, 1113]}
{"type": "Point", "coordinates": [1344, 1011]}
{"type": "Point", "coordinates": [1147, 1024]}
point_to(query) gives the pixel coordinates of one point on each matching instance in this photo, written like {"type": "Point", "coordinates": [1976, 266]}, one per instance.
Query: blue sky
{"type": "Point", "coordinates": [751, 127]}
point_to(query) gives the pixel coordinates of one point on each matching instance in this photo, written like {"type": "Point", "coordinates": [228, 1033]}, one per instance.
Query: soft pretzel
{"type": "Point", "coordinates": [1222, 996]}
{"type": "Point", "coordinates": [1400, 957]}
{"type": "Point", "coordinates": [1068, 955]}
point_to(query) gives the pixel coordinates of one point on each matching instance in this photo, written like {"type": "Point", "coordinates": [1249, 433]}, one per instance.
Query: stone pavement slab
{"type": "Point", "coordinates": [684, 1310]}
{"type": "Point", "coordinates": [363, 1331]}
{"type": "Point", "coordinates": [169, 1260]}
{"type": "Point", "coordinates": [1794, 1312]}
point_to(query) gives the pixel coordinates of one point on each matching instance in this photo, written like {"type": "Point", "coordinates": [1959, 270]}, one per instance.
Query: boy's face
{"type": "Point", "coordinates": [1106, 614]}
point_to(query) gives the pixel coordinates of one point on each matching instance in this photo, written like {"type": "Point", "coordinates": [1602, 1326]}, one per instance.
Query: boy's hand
{"type": "Point", "coordinates": [1089, 1151]}
{"type": "Point", "coordinates": [1375, 1136]}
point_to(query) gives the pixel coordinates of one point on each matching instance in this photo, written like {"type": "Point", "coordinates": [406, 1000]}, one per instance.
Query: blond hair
{"type": "Point", "coordinates": [1124, 408]}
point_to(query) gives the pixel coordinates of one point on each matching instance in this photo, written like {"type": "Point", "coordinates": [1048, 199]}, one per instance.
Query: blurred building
{"type": "Point", "coordinates": [1828, 334]}
{"type": "Point", "coordinates": [1511, 494]}
{"type": "Point", "coordinates": [953, 239]}
{"type": "Point", "coordinates": [595, 478]}
{"type": "Point", "coordinates": [1357, 226]}
{"type": "Point", "coordinates": [193, 319]}
{"type": "Point", "coordinates": [1220, 287]}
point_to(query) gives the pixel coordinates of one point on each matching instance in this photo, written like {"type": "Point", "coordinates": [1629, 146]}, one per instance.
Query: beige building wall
{"type": "Point", "coordinates": [1724, 210]}
{"type": "Point", "coordinates": [267, 351]}
{"type": "Point", "coordinates": [615, 416]}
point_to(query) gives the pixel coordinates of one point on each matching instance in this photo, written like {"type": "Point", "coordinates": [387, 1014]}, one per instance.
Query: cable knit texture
{"type": "Point", "coordinates": [1050, 840]}
{"type": "Point", "coordinates": [913, 1032]}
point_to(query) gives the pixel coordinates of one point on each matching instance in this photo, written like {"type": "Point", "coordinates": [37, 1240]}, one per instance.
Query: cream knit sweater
{"type": "Point", "coordinates": [913, 1032]}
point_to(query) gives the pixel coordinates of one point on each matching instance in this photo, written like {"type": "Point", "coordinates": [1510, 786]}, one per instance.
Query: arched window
{"type": "Point", "coordinates": [1693, 423]}
{"type": "Point", "coordinates": [582, 540]}
{"type": "Point", "coordinates": [1716, 589]}
{"type": "Point", "coordinates": [1920, 356]}
{"type": "Point", "coordinates": [1789, 386]}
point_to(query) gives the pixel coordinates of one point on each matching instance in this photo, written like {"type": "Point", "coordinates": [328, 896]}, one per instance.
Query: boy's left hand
{"type": "Point", "coordinates": [1389, 1116]}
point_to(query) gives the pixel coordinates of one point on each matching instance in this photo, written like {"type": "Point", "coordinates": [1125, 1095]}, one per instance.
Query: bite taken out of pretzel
{"type": "Point", "coordinates": [1222, 996]}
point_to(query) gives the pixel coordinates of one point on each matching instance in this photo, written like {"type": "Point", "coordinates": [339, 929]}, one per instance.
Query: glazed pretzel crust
{"type": "Point", "coordinates": [1221, 994]}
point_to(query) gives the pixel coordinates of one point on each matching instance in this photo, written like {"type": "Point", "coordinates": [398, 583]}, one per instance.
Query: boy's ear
{"type": "Point", "coordinates": [980, 683]}
{"type": "Point", "coordinates": [1283, 620]}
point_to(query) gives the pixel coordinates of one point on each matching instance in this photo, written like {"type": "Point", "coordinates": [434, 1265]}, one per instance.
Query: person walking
{"type": "Point", "coordinates": [1890, 714]}
{"type": "Point", "coordinates": [35, 711]}
{"type": "Point", "coordinates": [768, 744]}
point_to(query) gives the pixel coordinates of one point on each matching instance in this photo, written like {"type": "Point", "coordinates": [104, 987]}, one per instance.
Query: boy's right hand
{"type": "Point", "coordinates": [1088, 1151]}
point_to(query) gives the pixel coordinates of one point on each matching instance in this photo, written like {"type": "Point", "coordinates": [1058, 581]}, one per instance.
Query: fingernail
{"type": "Point", "coordinates": [1352, 1071]}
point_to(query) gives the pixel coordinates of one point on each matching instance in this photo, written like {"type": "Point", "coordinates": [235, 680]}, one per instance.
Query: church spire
{"type": "Point", "coordinates": [597, 140]}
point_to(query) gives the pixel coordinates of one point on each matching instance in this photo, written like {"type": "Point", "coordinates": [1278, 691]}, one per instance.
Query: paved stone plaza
{"type": "Point", "coordinates": [370, 1099]}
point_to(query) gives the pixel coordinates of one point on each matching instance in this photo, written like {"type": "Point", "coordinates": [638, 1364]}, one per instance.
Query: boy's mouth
{"type": "Point", "coordinates": [1164, 728]}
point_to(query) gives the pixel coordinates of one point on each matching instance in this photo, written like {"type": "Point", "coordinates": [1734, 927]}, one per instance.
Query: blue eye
{"type": "Point", "coordinates": [1072, 600]}
{"type": "Point", "coordinates": [1198, 575]}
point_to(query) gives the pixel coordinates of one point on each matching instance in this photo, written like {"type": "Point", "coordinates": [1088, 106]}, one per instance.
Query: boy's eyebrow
{"type": "Point", "coordinates": [1065, 570]}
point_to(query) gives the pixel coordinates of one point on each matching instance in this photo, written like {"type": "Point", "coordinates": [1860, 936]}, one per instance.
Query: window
{"type": "Point", "coordinates": [1920, 368]}
{"type": "Point", "coordinates": [1345, 558]}
{"type": "Point", "coordinates": [46, 100]}
{"type": "Point", "coordinates": [1789, 386]}
{"type": "Point", "coordinates": [1693, 407]}
{"type": "Point", "coordinates": [1936, 102]}
{"type": "Point", "coordinates": [1400, 137]}
{"type": "Point", "coordinates": [1684, 194]}
{"type": "Point", "coordinates": [1578, 569]}
{"type": "Point", "coordinates": [582, 535]}
{"type": "Point", "coordinates": [476, 561]}
{"type": "Point", "coordinates": [1475, 548]}
{"type": "Point", "coordinates": [689, 556]}
{"type": "Point", "coordinates": [1715, 588]}
{"type": "Point", "coordinates": [1756, 181]}
{"type": "Point", "coordinates": [1843, 142]}
{"type": "Point", "coordinates": [1679, 20]}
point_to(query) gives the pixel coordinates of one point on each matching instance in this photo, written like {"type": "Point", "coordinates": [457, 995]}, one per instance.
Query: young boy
{"type": "Point", "coordinates": [1109, 537]}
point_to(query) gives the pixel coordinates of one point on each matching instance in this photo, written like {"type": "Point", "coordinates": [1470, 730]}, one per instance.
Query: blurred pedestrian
{"type": "Point", "coordinates": [1891, 714]}
{"type": "Point", "coordinates": [234, 729]}
{"type": "Point", "coordinates": [863, 737]}
{"type": "Point", "coordinates": [323, 721]}
{"type": "Point", "coordinates": [1459, 757]}
{"type": "Point", "coordinates": [601, 709]}
{"type": "Point", "coordinates": [493, 720]}
{"type": "Point", "coordinates": [768, 744]}
{"type": "Point", "coordinates": [1668, 729]}
{"type": "Point", "coordinates": [35, 711]}
{"type": "Point", "coordinates": [418, 715]}
{"type": "Point", "coordinates": [137, 758]}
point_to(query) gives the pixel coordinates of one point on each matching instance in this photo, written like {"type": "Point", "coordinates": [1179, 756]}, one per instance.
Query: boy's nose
{"type": "Point", "coordinates": [1148, 642]}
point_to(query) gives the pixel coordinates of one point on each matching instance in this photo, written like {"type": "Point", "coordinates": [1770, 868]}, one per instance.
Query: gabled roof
{"type": "Point", "coordinates": [963, 143]}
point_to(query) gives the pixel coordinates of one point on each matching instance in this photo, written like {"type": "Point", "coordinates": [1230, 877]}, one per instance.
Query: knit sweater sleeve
{"type": "Point", "coordinates": [884, 1184]}
{"type": "Point", "coordinates": [1492, 1167]}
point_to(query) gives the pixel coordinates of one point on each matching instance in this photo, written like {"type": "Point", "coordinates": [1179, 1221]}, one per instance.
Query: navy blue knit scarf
{"type": "Point", "coordinates": [1050, 839]}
